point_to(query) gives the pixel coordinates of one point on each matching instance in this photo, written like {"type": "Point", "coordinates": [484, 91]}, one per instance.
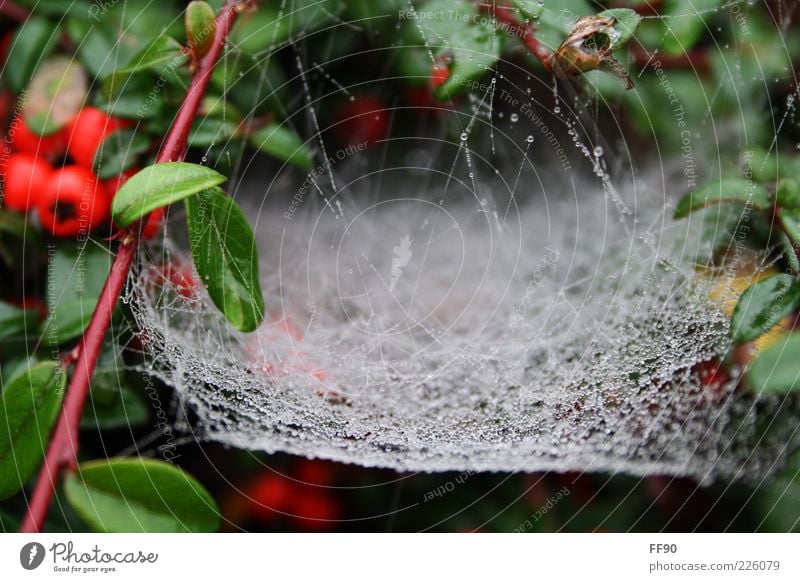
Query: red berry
{"type": "Point", "coordinates": [113, 184]}
{"type": "Point", "coordinates": [86, 133]}
{"type": "Point", "coordinates": [25, 180]}
{"type": "Point", "coordinates": [73, 202]}
{"type": "Point", "coordinates": [439, 74]}
{"type": "Point", "coordinates": [181, 276]}
{"type": "Point", "coordinates": [315, 510]}
{"type": "Point", "coordinates": [362, 120]}
{"type": "Point", "coordinates": [24, 140]}
{"type": "Point", "coordinates": [315, 472]}
{"type": "Point", "coordinates": [270, 495]}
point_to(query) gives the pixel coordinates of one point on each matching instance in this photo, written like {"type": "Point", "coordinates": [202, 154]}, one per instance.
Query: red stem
{"type": "Point", "coordinates": [62, 453]}
{"type": "Point", "coordinates": [13, 11]}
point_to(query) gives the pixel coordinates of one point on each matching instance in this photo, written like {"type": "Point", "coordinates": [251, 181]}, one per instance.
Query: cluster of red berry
{"type": "Point", "coordinates": [53, 174]}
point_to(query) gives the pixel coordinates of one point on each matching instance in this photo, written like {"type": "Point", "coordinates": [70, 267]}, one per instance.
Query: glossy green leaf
{"type": "Point", "coordinates": [118, 152]}
{"type": "Point", "coordinates": [727, 191]}
{"type": "Point", "coordinates": [75, 279]}
{"type": "Point", "coordinates": [32, 42]}
{"type": "Point", "coordinates": [763, 305]}
{"type": "Point", "coordinates": [16, 322]}
{"type": "Point", "coordinates": [201, 26]}
{"type": "Point", "coordinates": [55, 95]}
{"type": "Point", "coordinates": [160, 185]}
{"type": "Point", "coordinates": [140, 495]}
{"type": "Point", "coordinates": [226, 257]}
{"type": "Point", "coordinates": [283, 143]}
{"type": "Point", "coordinates": [777, 369]}
{"type": "Point", "coordinates": [29, 407]}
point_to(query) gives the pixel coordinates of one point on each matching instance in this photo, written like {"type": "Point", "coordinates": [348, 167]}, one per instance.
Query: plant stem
{"type": "Point", "coordinates": [13, 11]}
{"type": "Point", "coordinates": [62, 453]}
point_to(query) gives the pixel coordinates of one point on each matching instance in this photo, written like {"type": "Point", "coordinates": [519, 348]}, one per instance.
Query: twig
{"type": "Point", "coordinates": [62, 453]}
{"type": "Point", "coordinates": [13, 11]}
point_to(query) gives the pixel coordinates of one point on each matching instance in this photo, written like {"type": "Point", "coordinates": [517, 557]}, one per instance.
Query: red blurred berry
{"type": "Point", "coordinates": [87, 131]}
{"type": "Point", "coordinates": [25, 180]}
{"type": "Point", "coordinates": [362, 120]}
{"type": "Point", "coordinates": [314, 471]}
{"type": "Point", "coordinates": [32, 303]}
{"type": "Point", "coordinates": [113, 184]}
{"type": "Point", "coordinates": [24, 140]}
{"type": "Point", "coordinates": [713, 378]}
{"type": "Point", "coordinates": [269, 496]}
{"type": "Point", "coordinates": [439, 75]}
{"type": "Point", "coordinates": [181, 276]}
{"type": "Point", "coordinates": [315, 510]}
{"type": "Point", "coordinates": [73, 202]}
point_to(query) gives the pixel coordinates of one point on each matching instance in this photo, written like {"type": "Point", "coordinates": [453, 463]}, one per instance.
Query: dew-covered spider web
{"type": "Point", "coordinates": [513, 296]}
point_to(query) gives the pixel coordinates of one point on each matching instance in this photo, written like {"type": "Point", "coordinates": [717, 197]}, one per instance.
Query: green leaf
{"type": "Point", "coordinates": [684, 23]}
{"type": "Point", "coordinates": [457, 35]}
{"type": "Point", "coordinates": [778, 500]}
{"type": "Point", "coordinates": [140, 495]}
{"type": "Point", "coordinates": [210, 130]}
{"type": "Point", "coordinates": [625, 23]}
{"type": "Point", "coordinates": [763, 305]}
{"type": "Point", "coordinates": [16, 322]}
{"type": "Point", "coordinates": [226, 257]}
{"type": "Point", "coordinates": [112, 403]}
{"type": "Point", "coordinates": [28, 409]}
{"type": "Point", "coordinates": [530, 9]}
{"type": "Point", "coordinates": [135, 99]}
{"type": "Point", "coordinates": [119, 152]}
{"type": "Point", "coordinates": [75, 279]}
{"type": "Point", "coordinates": [164, 51]}
{"type": "Point", "coordinates": [274, 23]}
{"type": "Point", "coordinates": [282, 142]}
{"type": "Point", "coordinates": [777, 369]}
{"type": "Point", "coordinates": [787, 194]}
{"type": "Point", "coordinates": [32, 42]}
{"type": "Point", "coordinates": [160, 185]}
{"type": "Point", "coordinates": [201, 25]}
{"type": "Point", "coordinates": [727, 191]}
{"type": "Point", "coordinates": [55, 95]}
{"type": "Point", "coordinates": [475, 49]}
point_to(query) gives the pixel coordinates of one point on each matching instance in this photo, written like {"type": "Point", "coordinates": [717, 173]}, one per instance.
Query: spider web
{"type": "Point", "coordinates": [492, 302]}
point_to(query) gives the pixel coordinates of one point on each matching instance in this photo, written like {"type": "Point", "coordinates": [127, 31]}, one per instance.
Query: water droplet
{"type": "Point", "coordinates": [514, 118]}
{"type": "Point", "coordinates": [529, 139]}
{"type": "Point", "coordinates": [464, 136]}
{"type": "Point", "coordinates": [598, 151]}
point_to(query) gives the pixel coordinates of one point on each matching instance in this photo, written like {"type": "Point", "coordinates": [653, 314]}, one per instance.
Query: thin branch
{"type": "Point", "coordinates": [62, 453]}
{"type": "Point", "coordinates": [13, 11]}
